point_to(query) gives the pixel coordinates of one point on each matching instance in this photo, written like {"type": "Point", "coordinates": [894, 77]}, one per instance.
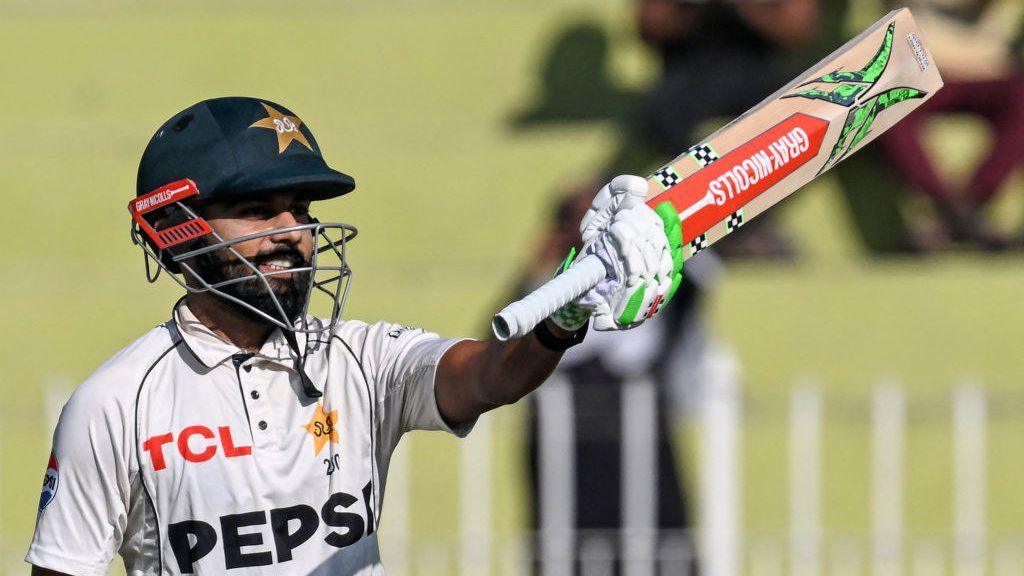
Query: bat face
{"type": "Point", "coordinates": [808, 126]}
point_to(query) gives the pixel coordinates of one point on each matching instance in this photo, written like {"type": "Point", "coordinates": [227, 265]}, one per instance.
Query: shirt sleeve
{"type": "Point", "coordinates": [406, 372]}
{"type": "Point", "coordinates": [83, 507]}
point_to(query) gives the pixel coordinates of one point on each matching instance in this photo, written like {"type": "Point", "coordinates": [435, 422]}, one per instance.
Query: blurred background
{"type": "Point", "coordinates": [838, 391]}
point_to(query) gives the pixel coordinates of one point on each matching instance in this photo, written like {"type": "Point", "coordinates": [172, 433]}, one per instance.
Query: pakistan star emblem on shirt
{"type": "Point", "coordinates": [322, 428]}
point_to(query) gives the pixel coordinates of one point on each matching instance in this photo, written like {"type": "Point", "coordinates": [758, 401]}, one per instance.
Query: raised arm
{"type": "Point", "coordinates": [477, 376]}
{"type": "Point", "coordinates": [642, 253]}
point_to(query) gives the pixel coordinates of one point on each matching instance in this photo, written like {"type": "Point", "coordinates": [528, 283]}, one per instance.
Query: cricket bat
{"type": "Point", "coordinates": [811, 124]}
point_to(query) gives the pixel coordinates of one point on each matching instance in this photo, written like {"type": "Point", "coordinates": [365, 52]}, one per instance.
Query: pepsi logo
{"type": "Point", "coordinates": [50, 480]}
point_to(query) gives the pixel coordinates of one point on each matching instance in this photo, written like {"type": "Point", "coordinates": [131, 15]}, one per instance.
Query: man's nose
{"type": "Point", "coordinates": [286, 219]}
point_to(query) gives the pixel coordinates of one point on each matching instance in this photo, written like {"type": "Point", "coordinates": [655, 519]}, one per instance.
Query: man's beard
{"type": "Point", "coordinates": [291, 292]}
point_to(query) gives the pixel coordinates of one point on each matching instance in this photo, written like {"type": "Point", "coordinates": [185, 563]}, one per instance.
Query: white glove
{"type": "Point", "coordinates": [642, 260]}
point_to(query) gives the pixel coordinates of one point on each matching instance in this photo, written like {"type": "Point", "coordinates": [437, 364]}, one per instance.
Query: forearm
{"type": "Point", "coordinates": [641, 250]}
{"type": "Point", "coordinates": [477, 376]}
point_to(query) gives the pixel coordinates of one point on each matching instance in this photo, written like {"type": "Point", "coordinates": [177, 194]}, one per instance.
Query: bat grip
{"type": "Point", "coordinates": [518, 318]}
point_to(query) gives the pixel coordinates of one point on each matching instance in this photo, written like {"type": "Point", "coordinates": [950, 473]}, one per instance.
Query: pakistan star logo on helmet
{"type": "Point", "coordinates": [849, 88]}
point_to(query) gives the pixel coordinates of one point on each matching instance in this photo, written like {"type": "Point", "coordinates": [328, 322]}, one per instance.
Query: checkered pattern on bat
{"type": "Point", "coordinates": [734, 221]}
{"type": "Point", "coordinates": [702, 154]}
{"type": "Point", "coordinates": [697, 244]}
{"type": "Point", "coordinates": [667, 177]}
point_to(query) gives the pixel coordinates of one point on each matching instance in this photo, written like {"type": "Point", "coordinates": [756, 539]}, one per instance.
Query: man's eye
{"type": "Point", "coordinates": [267, 213]}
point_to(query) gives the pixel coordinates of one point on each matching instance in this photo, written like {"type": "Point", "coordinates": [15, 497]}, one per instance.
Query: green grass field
{"type": "Point", "coordinates": [413, 97]}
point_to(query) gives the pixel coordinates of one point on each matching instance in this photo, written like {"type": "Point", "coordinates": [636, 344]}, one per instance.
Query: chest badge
{"type": "Point", "coordinates": [322, 428]}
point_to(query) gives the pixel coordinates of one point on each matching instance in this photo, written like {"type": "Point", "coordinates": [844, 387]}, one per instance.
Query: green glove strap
{"type": "Point", "coordinates": [628, 315]}
{"type": "Point", "coordinates": [674, 231]}
{"type": "Point", "coordinates": [569, 317]}
{"type": "Point", "coordinates": [569, 259]}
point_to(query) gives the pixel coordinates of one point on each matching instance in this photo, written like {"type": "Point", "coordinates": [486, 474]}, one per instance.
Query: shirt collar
{"type": "Point", "coordinates": [211, 350]}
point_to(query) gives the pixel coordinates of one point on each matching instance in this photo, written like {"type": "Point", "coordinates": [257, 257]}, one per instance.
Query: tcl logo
{"type": "Point", "coordinates": [195, 444]}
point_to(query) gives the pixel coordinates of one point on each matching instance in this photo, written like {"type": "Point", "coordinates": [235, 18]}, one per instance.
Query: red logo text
{"type": "Point", "coordinates": [195, 444]}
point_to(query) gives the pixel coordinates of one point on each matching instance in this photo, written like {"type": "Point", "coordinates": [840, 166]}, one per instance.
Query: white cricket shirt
{"type": "Point", "coordinates": [185, 455]}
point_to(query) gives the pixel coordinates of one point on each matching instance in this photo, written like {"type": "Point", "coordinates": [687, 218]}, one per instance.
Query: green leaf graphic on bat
{"type": "Point", "coordinates": [850, 87]}
{"type": "Point", "coordinates": [859, 120]}
{"type": "Point", "coordinates": [871, 71]}
{"type": "Point", "coordinates": [843, 95]}
{"type": "Point", "coordinates": [851, 84]}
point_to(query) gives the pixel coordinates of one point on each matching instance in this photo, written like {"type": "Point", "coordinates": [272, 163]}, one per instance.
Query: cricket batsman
{"type": "Point", "coordinates": [247, 436]}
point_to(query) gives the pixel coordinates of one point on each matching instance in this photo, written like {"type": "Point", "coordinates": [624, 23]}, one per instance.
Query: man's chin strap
{"type": "Point", "coordinates": [300, 360]}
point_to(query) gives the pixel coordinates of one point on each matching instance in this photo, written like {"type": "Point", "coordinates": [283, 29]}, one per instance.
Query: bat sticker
{"type": "Point", "coordinates": [699, 243]}
{"type": "Point", "coordinates": [734, 221]}
{"type": "Point", "coordinates": [702, 154]}
{"type": "Point", "coordinates": [667, 177]}
{"type": "Point", "coordinates": [711, 194]}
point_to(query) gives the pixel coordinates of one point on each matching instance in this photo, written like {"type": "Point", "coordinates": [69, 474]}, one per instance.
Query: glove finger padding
{"type": "Point", "coordinates": [642, 250]}
{"type": "Point", "coordinates": [621, 193]}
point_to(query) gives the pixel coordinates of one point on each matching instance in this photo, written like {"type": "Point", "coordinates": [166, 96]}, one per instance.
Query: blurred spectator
{"type": "Point", "coordinates": [973, 43]}
{"type": "Point", "coordinates": [597, 372]}
{"type": "Point", "coordinates": [718, 60]}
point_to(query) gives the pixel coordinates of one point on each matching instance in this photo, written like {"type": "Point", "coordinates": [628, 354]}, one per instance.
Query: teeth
{"type": "Point", "coordinates": [278, 264]}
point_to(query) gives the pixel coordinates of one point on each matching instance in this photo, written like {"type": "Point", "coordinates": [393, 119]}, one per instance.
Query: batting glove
{"type": "Point", "coordinates": [642, 252]}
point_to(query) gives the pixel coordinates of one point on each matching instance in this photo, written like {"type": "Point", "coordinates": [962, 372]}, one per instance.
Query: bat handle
{"type": "Point", "coordinates": [518, 318]}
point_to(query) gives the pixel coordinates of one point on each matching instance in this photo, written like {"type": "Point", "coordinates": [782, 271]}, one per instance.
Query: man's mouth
{"type": "Point", "coordinates": [277, 267]}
